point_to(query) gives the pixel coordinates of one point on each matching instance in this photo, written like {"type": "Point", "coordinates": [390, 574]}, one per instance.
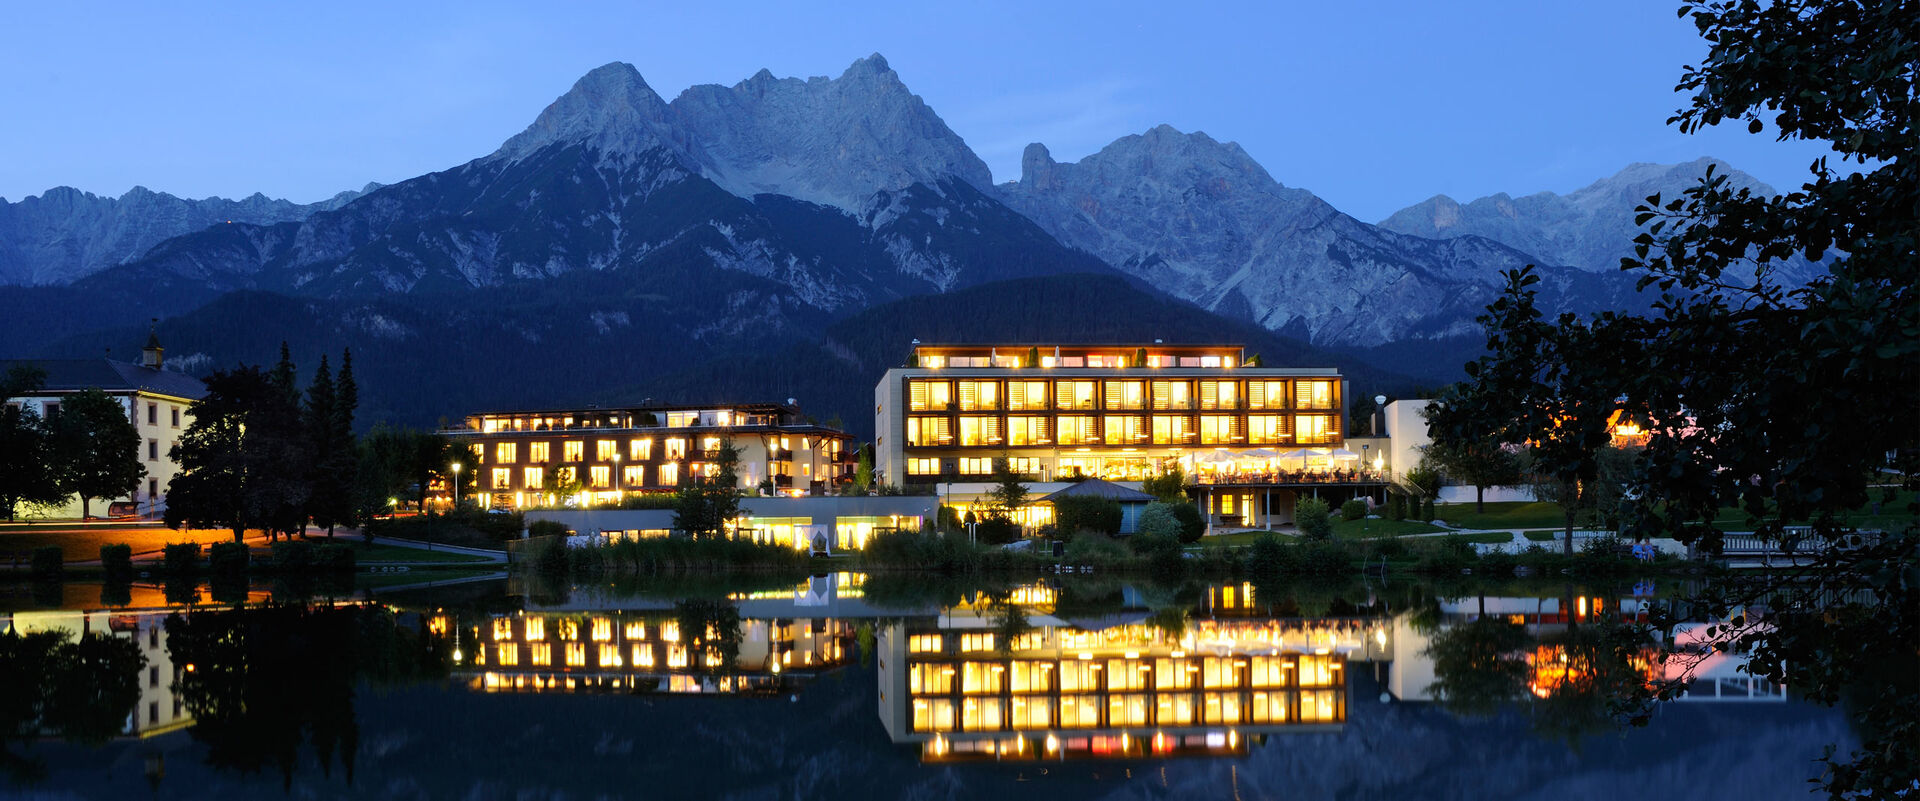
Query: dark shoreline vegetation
{"type": "Point", "coordinates": [953, 555]}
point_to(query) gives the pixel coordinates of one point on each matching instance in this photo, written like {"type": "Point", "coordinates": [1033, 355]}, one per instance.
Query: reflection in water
{"type": "Point", "coordinates": [1203, 689]}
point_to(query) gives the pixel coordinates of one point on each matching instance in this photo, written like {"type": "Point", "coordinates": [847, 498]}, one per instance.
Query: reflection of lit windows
{"type": "Point", "coordinates": [930, 679]}
{"type": "Point", "coordinates": [1079, 712]}
{"type": "Point", "coordinates": [1032, 713]}
{"type": "Point", "coordinates": [540, 653]}
{"type": "Point", "coordinates": [932, 714]}
{"type": "Point", "coordinates": [1270, 707]}
{"type": "Point", "coordinates": [609, 656]}
{"type": "Point", "coordinates": [1316, 670]}
{"type": "Point", "coordinates": [601, 629]}
{"type": "Point", "coordinates": [976, 642]}
{"type": "Point", "coordinates": [1030, 677]}
{"type": "Point", "coordinates": [536, 628]}
{"type": "Point", "coordinates": [567, 628]}
{"type": "Point", "coordinates": [1319, 706]}
{"type": "Point", "coordinates": [1127, 710]}
{"type": "Point", "coordinates": [1126, 674]}
{"type": "Point", "coordinates": [670, 631]}
{"type": "Point", "coordinates": [980, 714]}
{"type": "Point", "coordinates": [1077, 675]}
{"type": "Point", "coordinates": [1173, 709]}
{"type": "Point", "coordinates": [1221, 707]}
{"type": "Point", "coordinates": [507, 654]}
{"type": "Point", "coordinates": [642, 655]}
{"type": "Point", "coordinates": [980, 677]}
{"type": "Point", "coordinates": [1217, 672]}
{"type": "Point", "coordinates": [503, 628]}
{"type": "Point", "coordinates": [576, 654]}
{"type": "Point", "coordinates": [923, 644]}
{"type": "Point", "coordinates": [1268, 671]}
{"type": "Point", "coordinates": [635, 630]}
{"type": "Point", "coordinates": [676, 655]}
{"type": "Point", "coordinates": [1173, 674]}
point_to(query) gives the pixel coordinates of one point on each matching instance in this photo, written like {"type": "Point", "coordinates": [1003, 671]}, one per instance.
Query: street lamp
{"type": "Point", "coordinates": [456, 485]}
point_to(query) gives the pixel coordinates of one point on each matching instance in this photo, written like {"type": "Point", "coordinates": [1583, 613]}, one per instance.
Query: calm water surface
{"type": "Point", "coordinates": [848, 686]}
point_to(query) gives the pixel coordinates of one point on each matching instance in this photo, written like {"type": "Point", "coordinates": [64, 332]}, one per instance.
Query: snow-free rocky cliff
{"type": "Point", "coordinates": [797, 198]}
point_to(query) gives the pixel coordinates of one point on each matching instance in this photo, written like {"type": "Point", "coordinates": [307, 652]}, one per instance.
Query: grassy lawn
{"type": "Point", "coordinates": [1892, 515]}
{"type": "Point", "coordinates": [380, 552]}
{"type": "Point", "coordinates": [375, 581]}
{"type": "Point", "coordinates": [1369, 527]}
{"type": "Point", "coordinates": [1235, 539]}
{"type": "Point", "coordinates": [1508, 515]}
{"type": "Point", "coordinates": [83, 544]}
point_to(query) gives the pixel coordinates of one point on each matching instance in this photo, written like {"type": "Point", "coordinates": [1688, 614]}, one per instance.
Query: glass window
{"type": "Point", "coordinates": [502, 478]}
{"type": "Point", "coordinates": [1219, 429]}
{"type": "Point", "coordinates": [1314, 429]}
{"type": "Point", "coordinates": [1078, 430]}
{"type": "Point", "coordinates": [1219, 394]}
{"type": "Point", "coordinates": [603, 450]}
{"type": "Point", "coordinates": [979, 395]}
{"type": "Point", "coordinates": [1172, 394]}
{"type": "Point", "coordinates": [1024, 395]}
{"type": "Point", "coordinates": [1073, 394]}
{"type": "Point", "coordinates": [929, 396]}
{"type": "Point", "coordinates": [669, 474]}
{"type": "Point", "coordinates": [1267, 429]}
{"type": "Point", "coordinates": [980, 714]}
{"type": "Point", "coordinates": [1126, 394]}
{"type": "Point", "coordinates": [923, 467]}
{"type": "Point", "coordinates": [533, 478]}
{"type": "Point", "coordinates": [981, 677]}
{"type": "Point", "coordinates": [639, 449]}
{"type": "Point", "coordinates": [976, 466]}
{"type": "Point", "coordinates": [1172, 429]}
{"type": "Point", "coordinates": [505, 453]}
{"type": "Point", "coordinates": [1027, 430]}
{"type": "Point", "coordinates": [538, 452]}
{"type": "Point", "coordinates": [979, 430]}
{"type": "Point", "coordinates": [1317, 394]}
{"type": "Point", "coordinates": [929, 431]}
{"type": "Point", "coordinates": [573, 451]}
{"type": "Point", "coordinates": [676, 448]}
{"type": "Point", "coordinates": [600, 476]}
{"type": "Point", "coordinates": [1125, 429]}
{"type": "Point", "coordinates": [633, 475]}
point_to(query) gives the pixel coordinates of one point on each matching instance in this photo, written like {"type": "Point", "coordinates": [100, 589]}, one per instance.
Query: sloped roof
{"type": "Point", "coordinates": [73, 375]}
{"type": "Point", "coordinates": [1100, 488]}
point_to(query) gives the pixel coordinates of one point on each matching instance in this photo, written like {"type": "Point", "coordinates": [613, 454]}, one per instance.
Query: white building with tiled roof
{"type": "Point", "coordinates": [156, 401]}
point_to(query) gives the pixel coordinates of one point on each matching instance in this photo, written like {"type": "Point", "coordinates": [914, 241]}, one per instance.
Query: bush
{"type": "Point", "coordinates": [117, 560]}
{"type": "Point", "coordinates": [550, 558]}
{"type": "Point", "coordinates": [47, 561]}
{"type": "Point", "coordinates": [1355, 509]}
{"type": "Point", "coordinates": [293, 555]}
{"type": "Point", "coordinates": [1159, 519]}
{"type": "Point", "coordinates": [1388, 547]}
{"type": "Point", "coordinates": [1396, 506]}
{"type": "Point", "coordinates": [944, 553]}
{"type": "Point", "coordinates": [1499, 564]}
{"type": "Point", "coordinates": [1324, 558]}
{"type": "Point", "coordinates": [229, 558]}
{"type": "Point", "coordinates": [1191, 524]}
{"type": "Point", "coordinates": [1313, 518]}
{"type": "Point", "coordinates": [546, 528]}
{"type": "Point", "coordinates": [1268, 557]}
{"type": "Point", "coordinates": [335, 558]}
{"type": "Point", "coordinates": [181, 557]}
{"type": "Point", "coordinates": [993, 530]}
{"type": "Point", "coordinates": [1426, 511]}
{"type": "Point", "coordinates": [1095, 549]}
{"type": "Point", "coordinates": [1074, 515]}
{"type": "Point", "coordinates": [1163, 552]}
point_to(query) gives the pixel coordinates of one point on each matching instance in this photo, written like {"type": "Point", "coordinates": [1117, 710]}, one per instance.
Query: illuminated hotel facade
{"type": "Point", "coordinates": [1123, 413]}
{"type": "Point", "coordinates": [521, 457]}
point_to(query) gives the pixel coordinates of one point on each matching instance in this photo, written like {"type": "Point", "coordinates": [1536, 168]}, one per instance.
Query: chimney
{"type": "Point", "coordinates": [150, 356]}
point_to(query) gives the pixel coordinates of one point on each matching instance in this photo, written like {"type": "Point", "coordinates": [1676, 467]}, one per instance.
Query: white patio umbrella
{"type": "Point", "coordinates": [1345, 455]}
{"type": "Point", "coordinates": [1217, 457]}
{"type": "Point", "coordinates": [1258, 453]}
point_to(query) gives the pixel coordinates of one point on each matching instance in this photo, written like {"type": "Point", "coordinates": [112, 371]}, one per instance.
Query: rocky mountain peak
{"type": "Point", "coordinates": [610, 108]}
{"type": "Point", "coordinates": [831, 141]}
{"type": "Point", "coordinates": [1036, 168]}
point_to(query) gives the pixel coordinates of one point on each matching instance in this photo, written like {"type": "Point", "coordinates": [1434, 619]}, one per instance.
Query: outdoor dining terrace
{"type": "Point", "coordinates": [1302, 467]}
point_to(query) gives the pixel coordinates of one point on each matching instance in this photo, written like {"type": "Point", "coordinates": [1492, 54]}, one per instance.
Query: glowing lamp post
{"type": "Point", "coordinates": [456, 484]}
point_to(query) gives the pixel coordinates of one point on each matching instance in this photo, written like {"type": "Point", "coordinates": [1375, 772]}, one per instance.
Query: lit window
{"type": "Point", "coordinates": [982, 641]}
{"type": "Point", "coordinates": [1313, 429]}
{"type": "Point", "coordinates": [1026, 395]}
{"type": "Point", "coordinates": [1125, 429]}
{"type": "Point", "coordinates": [633, 475]}
{"type": "Point", "coordinates": [503, 478]}
{"type": "Point", "coordinates": [929, 431]}
{"type": "Point", "coordinates": [640, 449]}
{"type": "Point", "coordinates": [923, 467]}
{"type": "Point", "coordinates": [676, 448]}
{"type": "Point", "coordinates": [1027, 430]}
{"type": "Point", "coordinates": [1024, 465]}
{"type": "Point", "coordinates": [538, 452]}
{"type": "Point", "coordinates": [1313, 395]}
{"type": "Point", "coordinates": [540, 653]}
{"type": "Point", "coordinates": [504, 453]}
{"type": "Point", "coordinates": [971, 466]}
{"type": "Point", "coordinates": [536, 628]}
{"type": "Point", "coordinates": [979, 395]}
{"type": "Point", "coordinates": [923, 644]}
{"type": "Point", "coordinates": [1073, 394]}
{"type": "Point", "coordinates": [1219, 429]}
{"type": "Point", "coordinates": [710, 444]}
{"type": "Point", "coordinates": [1172, 429]}
{"type": "Point", "coordinates": [1267, 429]}
{"type": "Point", "coordinates": [603, 450]}
{"type": "Point", "coordinates": [533, 478]}
{"type": "Point", "coordinates": [576, 654]}
{"type": "Point", "coordinates": [976, 430]}
{"type": "Point", "coordinates": [1126, 394]}
{"type": "Point", "coordinates": [601, 628]}
{"type": "Point", "coordinates": [573, 451]}
{"type": "Point", "coordinates": [1267, 394]}
{"type": "Point", "coordinates": [600, 476]}
{"type": "Point", "coordinates": [1219, 394]}
{"type": "Point", "coordinates": [1172, 394]}
{"type": "Point", "coordinates": [506, 653]}
{"type": "Point", "coordinates": [669, 474]}
{"type": "Point", "coordinates": [1077, 430]}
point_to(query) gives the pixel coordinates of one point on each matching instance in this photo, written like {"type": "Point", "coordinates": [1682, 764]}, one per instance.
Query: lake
{"type": "Point", "coordinates": [888, 686]}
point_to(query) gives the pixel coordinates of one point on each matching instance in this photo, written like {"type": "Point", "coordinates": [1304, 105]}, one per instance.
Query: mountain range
{"type": "Point", "coordinates": [622, 242]}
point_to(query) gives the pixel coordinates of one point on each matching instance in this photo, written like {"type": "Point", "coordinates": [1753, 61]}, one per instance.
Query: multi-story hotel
{"type": "Point", "coordinates": [1118, 412]}
{"type": "Point", "coordinates": [157, 402]}
{"type": "Point", "coordinates": [522, 457]}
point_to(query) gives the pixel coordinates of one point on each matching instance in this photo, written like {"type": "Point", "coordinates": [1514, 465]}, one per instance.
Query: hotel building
{"type": "Point", "coordinates": [521, 457]}
{"type": "Point", "coordinates": [1118, 412]}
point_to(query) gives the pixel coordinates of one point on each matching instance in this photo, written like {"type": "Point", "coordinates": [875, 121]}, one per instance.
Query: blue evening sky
{"type": "Point", "coordinates": [1371, 105]}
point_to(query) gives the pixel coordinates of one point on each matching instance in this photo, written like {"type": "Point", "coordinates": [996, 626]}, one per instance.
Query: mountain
{"type": "Point", "coordinates": [1201, 220]}
{"type": "Point", "coordinates": [64, 234]}
{"type": "Point", "coordinates": [1591, 228]}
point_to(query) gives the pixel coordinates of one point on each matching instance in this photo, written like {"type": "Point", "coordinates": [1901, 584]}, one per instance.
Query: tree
{"type": "Point", "coordinates": [704, 505]}
{"type": "Point", "coordinates": [1773, 398]}
{"type": "Point", "coordinates": [1170, 486]}
{"type": "Point", "coordinates": [216, 466]}
{"type": "Point", "coordinates": [1074, 515]}
{"type": "Point", "coordinates": [1479, 665]}
{"type": "Point", "coordinates": [1481, 463]}
{"type": "Point", "coordinates": [1158, 519]}
{"type": "Point", "coordinates": [95, 448]}
{"type": "Point", "coordinates": [1313, 518]}
{"type": "Point", "coordinates": [27, 475]}
{"type": "Point", "coordinates": [1008, 493]}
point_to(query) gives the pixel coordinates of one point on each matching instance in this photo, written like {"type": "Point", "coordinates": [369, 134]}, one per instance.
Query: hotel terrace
{"type": "Point", "coordinates": [1251, 436]}
{"type": "Point", "coordinates": [521, 457]}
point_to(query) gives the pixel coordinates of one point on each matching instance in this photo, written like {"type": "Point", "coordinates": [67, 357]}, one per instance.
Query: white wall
{"type": "Point", "coordinates": [151, 493]}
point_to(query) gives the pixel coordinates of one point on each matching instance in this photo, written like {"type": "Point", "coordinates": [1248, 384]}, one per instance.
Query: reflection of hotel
{"type": "Point", "coordinates": [642, 652]}
{"type": "Point", "coordinates": [965, 685]}
{"type": "Point", "coordinates": [521, 457]}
